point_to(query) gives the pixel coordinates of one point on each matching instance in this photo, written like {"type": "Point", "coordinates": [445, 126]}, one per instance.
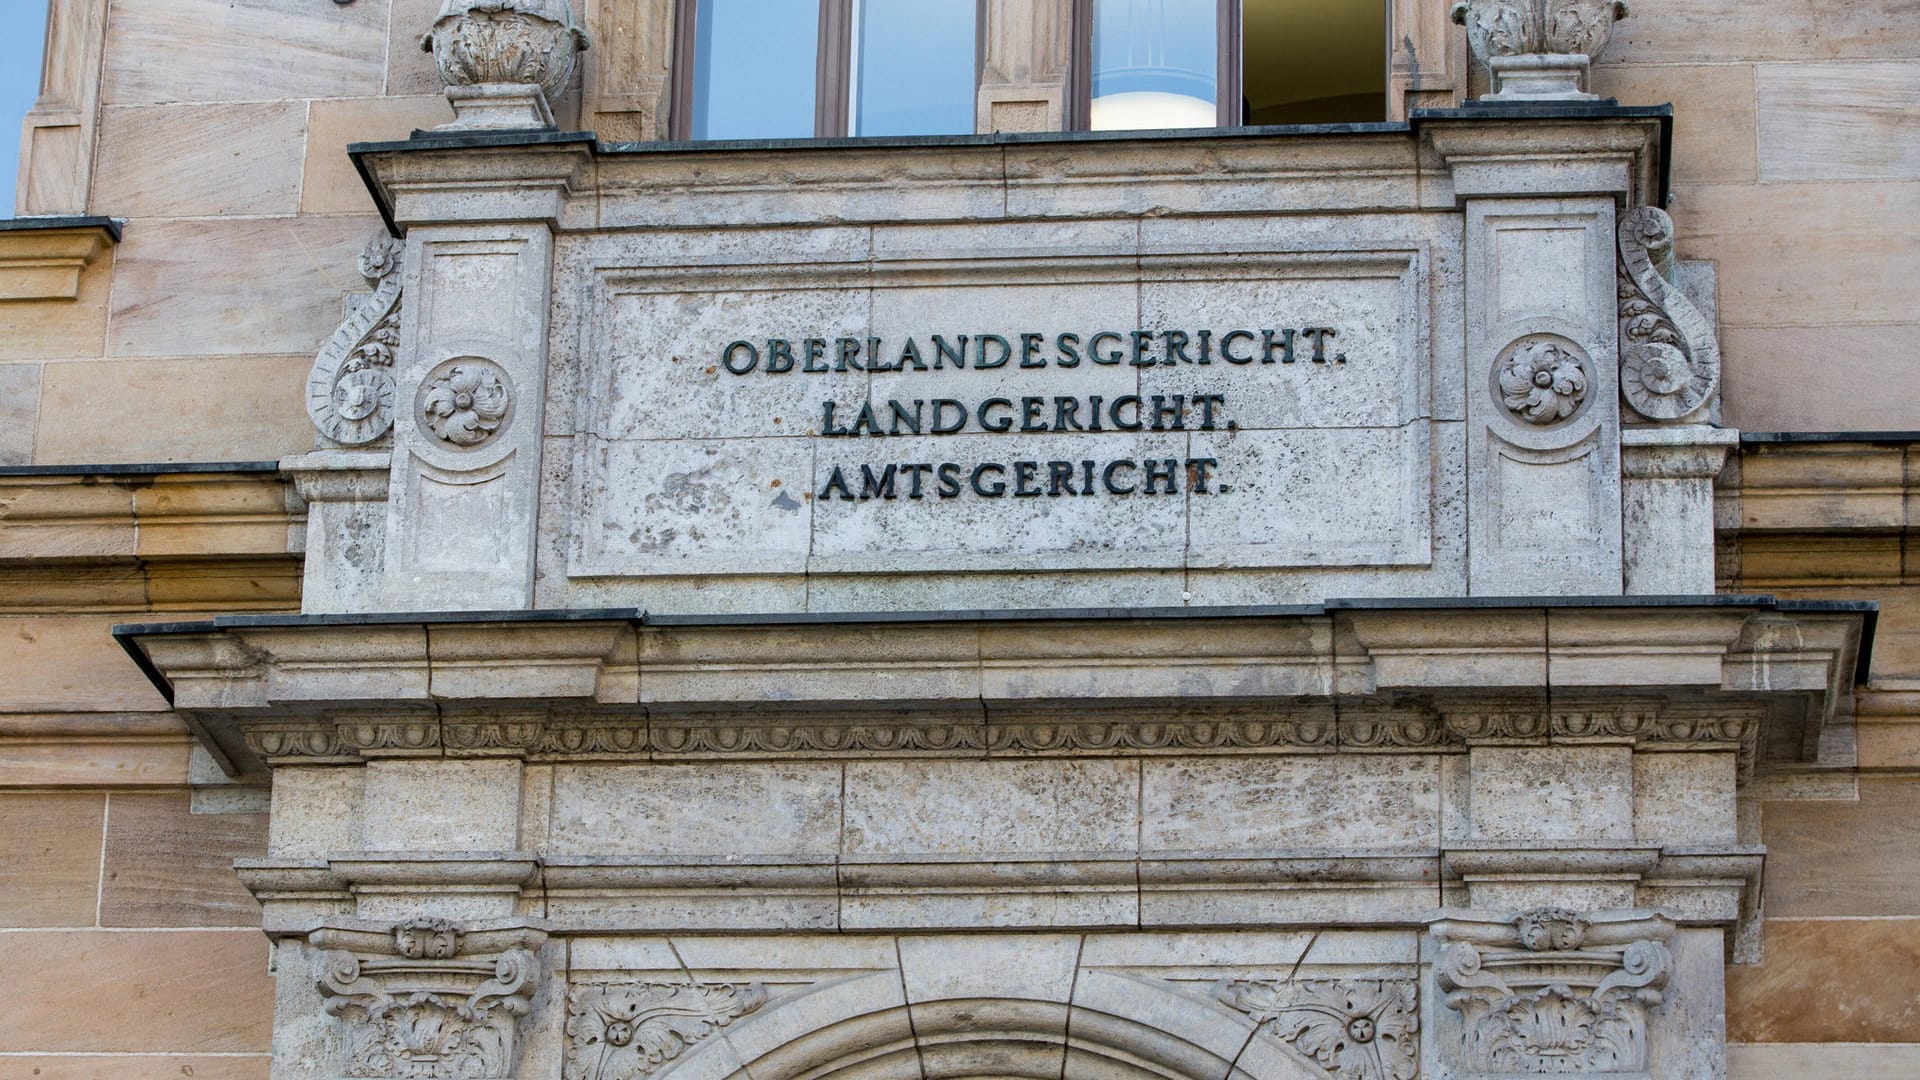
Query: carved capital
{"type": "Point", "coordinates": [427, 999]}
{"type": "Point", "coordinates": [1356, 1029]}
{"type": "Point", "coordinates": [1555, 991]}
{"type": "Point", "coordinates": [626, 1031]}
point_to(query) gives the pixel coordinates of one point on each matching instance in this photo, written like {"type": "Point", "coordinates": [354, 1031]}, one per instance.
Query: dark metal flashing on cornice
{"type": "Point", "coordinates": [111, 226]}
{"type": "Point", "coordinates": [1779, 438]}
{"type": "Point", "coordinates": [129, 635]}
{"type": "Point", "coordinates": [1599, 110]}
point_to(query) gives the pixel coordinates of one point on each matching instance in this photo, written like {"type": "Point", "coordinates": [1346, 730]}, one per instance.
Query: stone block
{"type": "Point", "coordinates": [260, 286]}
{"type": "Point", "coordinates": [329, 183]}
{"type": "Point", "coordinates": [50, 858]}
{"type": "Point", "coordinates": [1845, 121]}
{"type": "Point", "coordinates": [1038, 967]}
{"type": "Point", "coordinates": [999, 807]}
{"type": "Point", "coordinates": [69, 663]}
{"type": "Point", "coordinates": [53, 326]}
{"type": "Point", "coordinates": [19, 412]}
{"type": "Point", "coordinates": [696, 810]}
{"type": "Point", "coordinates": [1274, 803]}
{"type": "Point", "coordinates": [733, 958]}
{"type": "Point", "coordinates": [442, 806]}
{"type": "Point", "coordinates": [167, 866]}
{"type": "Point", "coordinates": [1685, 800]}
{"type": "Point", "coordinates": [177, 992]}
{"type": "Point", "coordinates": [1859, 1061]}
{"type": "Point", "coordinates": [161, 161]}
{"type": "Point", "coordinates": [136, 1067]}
{"type": "Point", "coordinates": [1853, 247]}
{"type": "Point", "coordinates": [76, 762]}
{"type": "Point", "coordinates": [410, 69]}
{"type": "Point", "coordinates": [1550, 793]}
{"type": "Point", "coordinates": [1713, 113]}
{"type": "Point", "coordinates": [1241, 953]}
{"type": "Point", "coordinates": [1776, 1000]}
{"type": "Point", "coordinates": [223, 408]}
{"type": "Point", "coordinates": [214, 50]}
{"type": "Point", "coordinates": [1857, 859]}
{"type": "Point", "coordinates": [1723, 30]}
{"type": "Point", "coordinates": [1767, 371]}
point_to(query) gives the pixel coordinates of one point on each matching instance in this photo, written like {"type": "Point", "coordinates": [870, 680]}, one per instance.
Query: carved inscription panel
{"type": "Point", "coordinates": [1047, 413]}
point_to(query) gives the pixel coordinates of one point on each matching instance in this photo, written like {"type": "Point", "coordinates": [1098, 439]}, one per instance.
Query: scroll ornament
{"type": "Point", "coordinates": [1669, 358]}
{"type": "Point", "coordinates": [626, 1031]}
{"type": "Point", "coordinates": [1543, 996]}
{"type": "Point", "coordinates": [1359, 1029]}
{"type": "Point", "coordinates": [350, 389]}
{"type": "Point", "coordinates": [420, 1010]}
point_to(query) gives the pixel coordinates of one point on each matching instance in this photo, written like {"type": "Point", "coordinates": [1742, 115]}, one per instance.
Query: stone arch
{"type": "Point", "coordinates": [1115, 1027]}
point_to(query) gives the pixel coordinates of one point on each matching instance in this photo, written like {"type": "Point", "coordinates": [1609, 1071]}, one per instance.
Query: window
{"type": "Point", "coordinates": [770, 69]}
{"type": "Point", "coordinates": [1201, 63]}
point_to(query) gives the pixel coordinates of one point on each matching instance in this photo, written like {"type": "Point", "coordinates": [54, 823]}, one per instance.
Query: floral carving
{"type": "Point", "coordinates": [423, 1012]}
{"type": "Point", "coordinates": [476, 42]}
{"type": "Point", "coordinates": [1524, 27]}
{"type": "Point", "coordinates": [625, 1032]}
{"type": "Point", "coordinates": [1574, 997]}
{"type": "Point", "coordinates": [465, 404]}
{"type": "Point", "coordinates": [1542, 379]}
{"type": "Point", "coordinates": [1360, 1029]}
{"type": "Point", "coordinates": [1669, 355]}
{"type": "Point", "coordinates": [350, 389]}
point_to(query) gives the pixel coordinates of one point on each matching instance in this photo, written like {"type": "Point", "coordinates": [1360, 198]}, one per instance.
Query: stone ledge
{"type": "Point", "coordinates": [1745, 673]}
{"type": "Point", "coordinates": [42, 258]}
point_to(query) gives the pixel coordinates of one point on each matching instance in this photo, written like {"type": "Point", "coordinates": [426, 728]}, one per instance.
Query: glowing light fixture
{"type": "Point", "coordinates": [1155, 64]}
{"type": "Point", "coordinates": [1140, 109]}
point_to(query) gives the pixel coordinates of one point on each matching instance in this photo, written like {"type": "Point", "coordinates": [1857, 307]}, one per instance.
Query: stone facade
{"type": "Point", "coordinates": [574, 691]}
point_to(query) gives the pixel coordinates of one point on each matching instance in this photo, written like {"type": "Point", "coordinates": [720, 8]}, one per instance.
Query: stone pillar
{"type": "Point", "coordinates": [1025, 51]}
{"type": "Point", "coordinates": [1666, 485]}
{"type": "Point", "coordinates": [346, 496]}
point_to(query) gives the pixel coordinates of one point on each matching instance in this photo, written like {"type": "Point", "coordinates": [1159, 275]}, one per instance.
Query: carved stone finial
{"type": "Point", "coordinates": [350, 389]}
{"type": "Point", "coordinates": [1538, 50]}
{"type": "Point", "coordinates": [504, 61]}
{"type": "Point", "coordinates": [1669, 355]}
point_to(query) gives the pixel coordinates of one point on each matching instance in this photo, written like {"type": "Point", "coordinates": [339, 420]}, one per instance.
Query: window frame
{"type": "Point", "coordinates": [833, 71]}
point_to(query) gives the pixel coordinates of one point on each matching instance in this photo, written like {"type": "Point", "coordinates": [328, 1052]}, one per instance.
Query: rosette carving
{"type": "Point", "coordinates": [1554, 992]}
{"type": "Point", "coordinates": [624, 1032]}
{"type": "Point", "coordinates": [350, 389]}
{"type": "Point", "coordinates": [465, 404]}
{"type": "Point", "coordinates": [1359, 1029]}
{"type": "Point", "coordinates": [1669, 356]}
{"type": "Point", "coordinates": [480, 42]}
{"type": "Point", "coordinates": [1542, 378]}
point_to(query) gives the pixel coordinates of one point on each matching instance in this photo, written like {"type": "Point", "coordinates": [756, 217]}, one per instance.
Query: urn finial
{"type": "Point", "coordinates": [504, 61]}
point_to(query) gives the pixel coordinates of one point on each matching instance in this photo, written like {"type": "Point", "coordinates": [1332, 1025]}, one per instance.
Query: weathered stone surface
{"type": "Point", "coordinates": [1875, 1003]}
{"type": "Point", "coordinates": [50, 858]}
{"type": "Point", "coordinates": [1855, 1061]}
{"type": "Point", "coordinates": [200, 160]}
{"type": "Point", "coordinates": [1713, 31]}
{"type": "Point", "coordinates": [213, 50]}
{"type": "Point", "coordinates": [1766, 377]}
{"type": "Point", "coordinates": [142, 1067]}
{"type": "Point", "coordinates": [68, 663]}
{"type": "Point", "coordinates": [154, 409]}
{"type": "Point", "coordinates": [697, 810]}
{"type": "Point", "coordinates": [198, 991]}
{"type": "Point", "coordinates": [328, 182]}
{"type": "Point", "coordinates": [1713, 121]}
{"type": "Point", "coordinates": [166, 866]}
{"type": "Point", "coordinates": [55, 312]}
{"type": "Point", "coordinates": [442, 806]}
{"type": "Point", "coordinates": [1845, 121]}
{"type": "Point", "coordinates": [1002, 807]}
{"type": "Point", "coordinates": [1845, 858]}
{"type": "Point", "coordinates": [1254, 804]}
{"type": "Point", "coordinates": [19, 411]}
{"type": "Point", "coordinates": [1684, 800]}
{"type": "Point", "coordinates": [1552, 792]}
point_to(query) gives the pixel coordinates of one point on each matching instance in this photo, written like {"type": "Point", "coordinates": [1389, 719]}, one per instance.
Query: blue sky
{"type": "Point", "coordinates": [23, 31]}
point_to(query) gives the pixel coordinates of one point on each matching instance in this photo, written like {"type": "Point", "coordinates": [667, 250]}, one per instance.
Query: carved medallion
{"type": "Point", "coordinates": [465, 402]}
{"type": "Point", "coordinates": [350, 389]}
{"type": "Point", "coordinates": [1542, 378]}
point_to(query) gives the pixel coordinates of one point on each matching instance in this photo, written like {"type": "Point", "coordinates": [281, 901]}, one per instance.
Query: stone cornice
{"type": "Point", "coordinates": [1740, 673]}
{"type": "Point", "coordinates": [41, 258]}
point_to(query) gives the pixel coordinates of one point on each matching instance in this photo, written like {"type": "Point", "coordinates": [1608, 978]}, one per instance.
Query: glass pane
{"type": "Point", "coordinates": [914, 72]}
{"type": "Point", "coordinates": [1313, 61]}
{"type": "Point", "coordinates": [19, 86]}
{"type": "Point", "coordinates": [753, 68]}
{"type": "Point", "coordinates": [1154, 64]}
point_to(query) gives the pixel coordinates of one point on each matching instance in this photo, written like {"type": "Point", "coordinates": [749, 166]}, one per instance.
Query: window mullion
{"type": "Point", "coordinates": [833, 72]}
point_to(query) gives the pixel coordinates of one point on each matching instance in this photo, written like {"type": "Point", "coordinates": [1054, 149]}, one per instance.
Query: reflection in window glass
{"type": "Point", "coordinates": [1313, 61]}
{"type": "Point", "coordinates": [753, 68]}
{"type": "Point", "coordinates": [913, 68]}
{"type": "Point", "coordinates": [1155, 64]}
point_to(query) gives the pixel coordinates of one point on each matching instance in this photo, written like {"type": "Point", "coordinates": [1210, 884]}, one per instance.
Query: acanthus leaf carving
{"type": "Point", "coordinates": [351, 386]}
{"type": "Point", "coordinates": [418, 1009]}
{"type": "Point", "coordinates": [1357, 1029]}
{"type": "Point", "coordinates": [1548, 993]}
{"type": "Point", "coordinates": [1669, 355]}
{"type": "Point", "coordinates": [626, 1031]}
